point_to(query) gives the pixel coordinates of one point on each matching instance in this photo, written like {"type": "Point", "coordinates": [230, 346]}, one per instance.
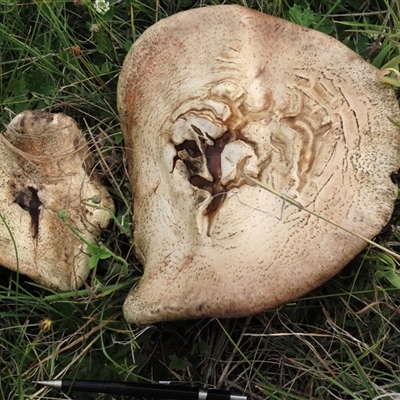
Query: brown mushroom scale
{"type": "Point", "coordinates": [191, 156]}
{"type": "Point", "coordinates": [29, 201]}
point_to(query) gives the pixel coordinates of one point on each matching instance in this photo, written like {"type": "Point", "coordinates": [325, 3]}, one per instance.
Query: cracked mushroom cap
{"type": "Point", "coordinates": [212, 95]}
{"type": "Point", "coordinates": [46, 168]}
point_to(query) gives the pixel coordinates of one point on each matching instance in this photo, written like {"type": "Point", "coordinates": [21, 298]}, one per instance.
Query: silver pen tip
{"type": "Point", "coordinates": [237, 397]}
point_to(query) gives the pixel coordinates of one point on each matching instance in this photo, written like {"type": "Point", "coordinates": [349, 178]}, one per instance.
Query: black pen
{"type": "Point", "coordinates": [159, 391]}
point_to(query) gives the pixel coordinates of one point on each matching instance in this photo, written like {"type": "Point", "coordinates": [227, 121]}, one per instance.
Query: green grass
{"type": "Point", "coordinates": [339, 342]}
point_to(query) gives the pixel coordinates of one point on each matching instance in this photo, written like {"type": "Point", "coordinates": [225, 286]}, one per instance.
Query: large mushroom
{"type": "Point", "coordinates": [211, 97]}
{"type": "Point", "coordinates": [45, 174]}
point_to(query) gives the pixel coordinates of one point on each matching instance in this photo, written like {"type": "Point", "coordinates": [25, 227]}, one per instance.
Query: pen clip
{"type": "Point", "coordinates": [195, 383]}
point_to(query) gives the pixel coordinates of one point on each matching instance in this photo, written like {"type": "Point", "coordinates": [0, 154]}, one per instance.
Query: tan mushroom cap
{"type": "Point", "coordinates": [45, 168]}
{"type": "Point", "coordinates": [210, 95]}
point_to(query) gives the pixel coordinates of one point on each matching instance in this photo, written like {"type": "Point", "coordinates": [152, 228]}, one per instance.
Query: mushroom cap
{"type": "Point", "coordinates": [46, 168]}
{"type": "Point", "coordinates": [209, 96]}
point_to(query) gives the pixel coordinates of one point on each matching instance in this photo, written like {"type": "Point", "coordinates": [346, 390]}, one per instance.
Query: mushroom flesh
{"type": "Point", "coordinates": [46, 169]}
{"type": "Point", "coordinates": [210, 96]}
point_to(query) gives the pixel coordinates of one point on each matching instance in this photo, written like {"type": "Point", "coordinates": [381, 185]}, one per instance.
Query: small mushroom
{"type": "Point", "coordinates": [46, 169]}
{"type": "Point", "coordinates": [212, 96]}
